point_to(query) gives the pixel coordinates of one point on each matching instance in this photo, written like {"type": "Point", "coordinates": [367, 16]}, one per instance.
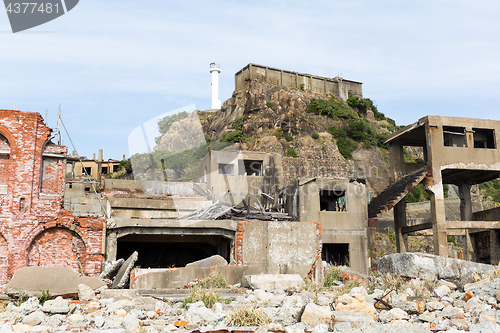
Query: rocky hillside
{"type": "Point", "coordinates": [274, 119]}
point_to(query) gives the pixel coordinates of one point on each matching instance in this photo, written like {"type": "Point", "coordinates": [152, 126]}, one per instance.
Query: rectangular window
{"type": "Point", "coordinates": [484, 138]}
{"type": "Point", "coordinates": [454, 136]}
{"type": "Point", "coordinates": [104, 170]}
{"type": "Point", "coordinates": [336, 254]}
{"type": "Point", "coordinates": [226, 169]}
{"type": "Point", "coordinates": [89, 171]}
{"type": "Point", "coordinates": [115, 167]}
{"type": "Point", "coordinates": [333, 200]}
{"type": "Point", "coordinates": [250, 168]}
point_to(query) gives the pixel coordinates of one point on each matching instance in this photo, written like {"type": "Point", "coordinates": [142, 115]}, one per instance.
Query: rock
{"type": "Point", "coordinates": [397, 314]}
{"type": "Point", "coordinates": [274, 281]}
{"type": "Point", "coordinates": [450, 285]}
{"type": "Point", "coordinates": [215, 260]}
{"type": "Point", "coordinates": [58, 305]}
{"type": "Point", "coordinates": [6, 328]}
{"type": "Point", "coordinates": [441, 291]}
{"type": "Point", "coordinates": [34, 318]}
{"type": "Point", "coordinates": [467, 296]}
{"type": "Point", "coordinates": [431, 267]}
{"type": "Point", "coordinates": [459, 324]}
{"type": "Point", "coordinates": [131, 323]}
{"type": "Point", "coordinates": [122, 276]}
{"type": "Point", "coordinates": [427, 317]}
{"type": "Point", "coordinates": [85, 293]}
{"type": "Point", "coordinates": [198, 314]}
{"type": "Point", "coordinates": [31, 305]}
{"type": "Point", "coordinates": [449, 311]}
{"type": "Point", "coordinates": [111, 269]}
{"type": "Point", "coordinates": [294, 329]}
{"type": "Point", "coordinates": [359, 293]}
{"type": "Point", "coordinates": [473, 303]}
{"type": "Point", "coordinates": [351, 317]}
{"type": "Point", "coordinates": [314, 315]}
{"type": "Point", "coordinates": [348, 303]}
{"type": "Point", "coordinates": [434, 305]}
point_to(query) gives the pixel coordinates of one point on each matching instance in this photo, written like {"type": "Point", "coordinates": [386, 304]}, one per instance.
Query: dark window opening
{"type": "Point", "coordinates": [484, 138]}
{"type": "Point", "coordinates": [104, 170]}
{"type": "Point", "coordinates": [413, 154]}
{"type": "Point", "coordinates": [70, 185]}
{"type": "Point", "coordinates": [333, 200]}
{"type": "Point", "coordinates": [22, 205]}
{"type": "Point", "coordinates": [226, 169]}
{"type": "Point", "coordinates": [336, 254]}
{"type": "Point", "coordinates": [454, 136]}
{"type": "Point", "coordinates": [154, 253]}
{"type": "Point", "coordinates": [250, 168]}
{"type": "Point", "coordinates": [87, 189]}
{"type": "Point", "coordinates": [87, 171]}
{"type": "Point", "coordinates": [115, 168]}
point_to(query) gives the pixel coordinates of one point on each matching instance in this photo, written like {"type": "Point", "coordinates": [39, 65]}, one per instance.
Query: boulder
{"type": "Point", "coordinates": [315, 315]}
{"type": "Point", "coordinates": [350, 303]}
{"type": "Point", "coordinates": [215, 260]}
{"type": "Point", "coordinates": [85, 293]}
{"type": "Point", "coordinates": [351, 318]}
{"type": "Point", "coordinates": [58, 305]}
{"type": "Point", "coordinates": [274, 281]}
{"type": "Point", "coordinates": [432, 267]}
{"type": "Point", "coordinates": [111, 269]}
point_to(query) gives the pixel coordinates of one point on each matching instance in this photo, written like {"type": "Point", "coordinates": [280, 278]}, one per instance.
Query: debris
{"type": "Point", "coordinates": [122, 277]}
{"type": "Point", "coordinates": [215, 260]}
{"type": "Point", "coordinates": [274, 281]}
{"type": "Point", "coordinates": [112, 269]}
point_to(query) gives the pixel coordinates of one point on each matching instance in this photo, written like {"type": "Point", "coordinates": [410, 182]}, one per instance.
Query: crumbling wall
{"type": "Point", "coordinates": [274, 247]}
{"type": "Point", "coordinates": [34, 227]}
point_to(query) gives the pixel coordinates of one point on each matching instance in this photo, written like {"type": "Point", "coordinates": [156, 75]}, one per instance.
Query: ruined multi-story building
{"type": "Point", "coordinates": [35, 230]}
{"type": "Point", "coordinates": [458, 151]}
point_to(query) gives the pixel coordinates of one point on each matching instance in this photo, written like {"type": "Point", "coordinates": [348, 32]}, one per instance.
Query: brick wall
{"type": "Point", "coordinates": [34, 227]}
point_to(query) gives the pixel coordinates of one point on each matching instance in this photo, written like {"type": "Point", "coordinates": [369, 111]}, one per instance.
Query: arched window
{"type": "Point", "coordinates": [4, 163]}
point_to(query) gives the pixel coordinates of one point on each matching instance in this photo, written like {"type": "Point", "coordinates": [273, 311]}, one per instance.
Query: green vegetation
{"type": "Point", "coordinates": [491, 190]}
{"type": "Point", "coordinates": [332, 108]}
{"type": "Point", "coordinates": [287, 136]}
{"type": "Point", "coordinates": [419, 194]}
{"type": "Point", "coordinates": [291, 152]}
{"type": "Point", "coordinates": [315, 135]}
{"type": "Point", "coordinates": [302, 86]}
{"type": "Point", "coordinates": [214, 280]}
{"type": "Point", "coordinates": [362, 104]}
{"type": "Point", "coordinates": [165, 123]}
{"type": "Point", "coordinates": [331, 276]}
{"type": "Point", "coordinates": [238, 123]}
{"type": "Point", "coordinates": [271, 106]}
{"type": "Point", "coordinates": [44, 297]}
{"type": "Point", "coordinates": [207, 296]}
{"type": "Point", "coordinates": [233, 137]}
{"type": "Point", "coordinates": [248, 316]}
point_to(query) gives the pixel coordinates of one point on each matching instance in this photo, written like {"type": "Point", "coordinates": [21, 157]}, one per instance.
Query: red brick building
{"type": "Point", "coordinates": [35, 230]}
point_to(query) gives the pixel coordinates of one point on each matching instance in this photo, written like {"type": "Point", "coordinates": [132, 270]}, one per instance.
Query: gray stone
{"type": "Point", "coordinates": [215, 260]}
{"type": "Point", "coordinates": [449, 311]}
{"type": "Point", "coordinates": [111, 269]}
{"type": "Point", "coordinates": [122, 276]}
{"type": "Point", "coordinates": [6, 328]}
{"type": "Point", "coordinates": [113, 322]}
{"type": "Point", "coordinates": [35, 318]}
{"type": "Point", "coordinates": [352, 317]}
{"type": "Point", "coordinates": [274, 281]}
{"type": "Point", "coordinates": [432, 267]}
{"type": "Point", "coordinates": [85, 293]}
{"type": "Point", "coordinates": [54, 320]}
{"type": "Point", "coordinates": [58, 305]}
{"type": "Point", "coordinates": [397, 314]}
{"type": "Point", "coordinates": [433, 306]}
{"type": "Point", "coordinates": [441, 291]}
{"type": "Point", "coordinates": [31, 305]}
{"type": "Point", "coordinates": [427, 317]}
{"type": "Point", "coordinates": [131, 323]}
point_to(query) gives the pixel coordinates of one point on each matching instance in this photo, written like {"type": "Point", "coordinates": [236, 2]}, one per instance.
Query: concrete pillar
{"type": "Point", "coordinates": [111, 246]}
{"type": "Point", "coordinates": [494, 247]}
{"type": "Point", "coordinates": [438, 217]}
{"type": "Point", "coordinates": [400, 222]}
{"type": "Point", "coordinates": [465, 202]}
{"type": "Point", "coordinates": [469, 253]}
{"type": "Point", "coordinates": [397, 160]}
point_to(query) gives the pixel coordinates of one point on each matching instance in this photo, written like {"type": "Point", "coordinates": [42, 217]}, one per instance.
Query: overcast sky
{"type": "Point", "coordinates": [113, 65]}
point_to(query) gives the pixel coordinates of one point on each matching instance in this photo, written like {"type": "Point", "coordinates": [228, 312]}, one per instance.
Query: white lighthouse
{"type": "Point", "coordinates": [215, 70]}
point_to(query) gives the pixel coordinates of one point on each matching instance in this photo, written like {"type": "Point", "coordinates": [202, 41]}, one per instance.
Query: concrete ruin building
{"type": "Point", "coordinates": [35, 229]}
{"type": "Point", "coordinates": [459, 151]}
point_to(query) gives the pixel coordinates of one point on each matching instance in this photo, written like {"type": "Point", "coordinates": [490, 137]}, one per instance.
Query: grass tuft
{"type": "Point", "coordinates": [248, 316]}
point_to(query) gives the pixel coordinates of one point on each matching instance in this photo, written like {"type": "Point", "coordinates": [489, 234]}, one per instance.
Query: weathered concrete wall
{"type": "Point", "coordinates": [179, 277]}
{"type": "Point", "coordinates": [338, 227]}
{"type": "Point", "coordinates": [34, 228]}
{"type": "Point", "coordinates": [278, 247]}
{"type": "Point", "coordinates": [151, 188]}
{"type": "Point", "coordinates": [488, 215]}
{"type": "Point", "coordinates": [336, 86]}
{"type": "Point", "coordinates": [241, 184]}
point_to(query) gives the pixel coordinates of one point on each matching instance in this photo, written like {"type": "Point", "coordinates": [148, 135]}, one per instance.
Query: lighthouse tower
{"type": "Point", "coordinates": [215, 70]}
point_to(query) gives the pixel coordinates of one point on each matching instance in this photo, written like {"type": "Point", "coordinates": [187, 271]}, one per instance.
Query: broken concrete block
{"type": "Point", "coordinates": [315, 315]}
{"type": "Point", "coordinates": [33, 280]}
{"type": "Point", "coordinates": [215, 260]}
{"type": "Point", "coordinates": [112, 269]}
{"type": "Point", "coordinates": [85, 293]}
{"type": "Point", "coordinates": [124, 272]}
{"type": "Point", "coordinates": [58, 305]}
{"type": "Point", "coordinates": [274, 281]}
{"type": "Point", "coordinates": [431, 267]}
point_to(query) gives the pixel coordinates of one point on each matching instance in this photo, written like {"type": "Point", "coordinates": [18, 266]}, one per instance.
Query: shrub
{"type": "Point", "coordinates": [302, 86]}
{"type": "Point", "coordinates": [234, 136]}
{"type": "Point", "coordinates": [290, 152]}
{"type": "Point", "coordinates": [315, 135]}
{"type": "Point", "coordinates": [238, 123]}
{"type": "Point", "coordinates": [165, 123]}
{"type": "Point", "coordinates": [271, 106]}
{"type": "Point", "coordinates": [346, 147]}
{"type": "Point", "coordinates": [332, 108]}
{"type": "Point", "coordinates": [248, 316]}
{"type": "Point", "coordinates": [207, 296]}
{"type": "Point", "coordinates": [287, 136]}
{"type": "Point", "coordinates": [214, 280]}
{"type": "Point", "coordinates": [332, 275]}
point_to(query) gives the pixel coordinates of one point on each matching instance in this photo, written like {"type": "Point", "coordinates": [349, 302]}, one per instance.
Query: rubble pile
{"type": "Point", "coordinates": [297, 309]}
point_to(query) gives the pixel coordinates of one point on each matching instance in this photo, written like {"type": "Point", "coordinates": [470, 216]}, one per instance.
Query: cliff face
{"type": "Point", "coordinates": [269, 113]}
